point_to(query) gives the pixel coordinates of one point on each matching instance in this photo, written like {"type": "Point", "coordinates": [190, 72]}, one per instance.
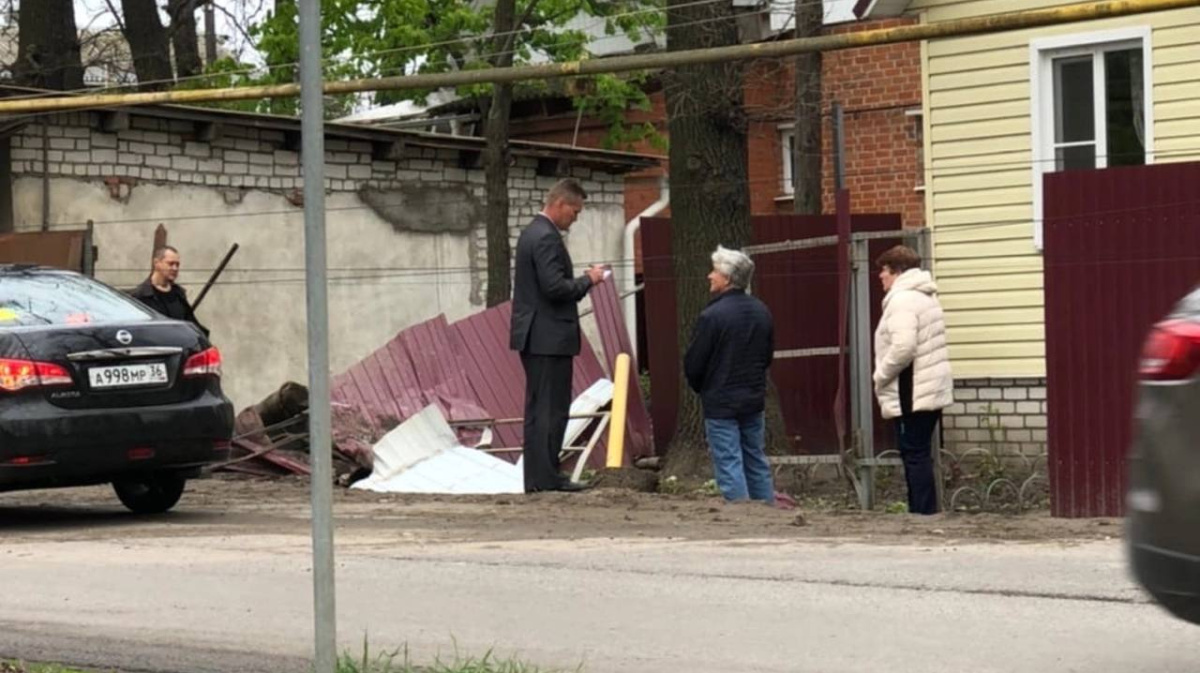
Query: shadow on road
{"type": "Point", "coordinates": [46, 518]}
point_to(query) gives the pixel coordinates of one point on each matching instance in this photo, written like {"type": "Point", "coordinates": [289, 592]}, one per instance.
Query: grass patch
{"type": "Point", "coordinates": [23, 667]}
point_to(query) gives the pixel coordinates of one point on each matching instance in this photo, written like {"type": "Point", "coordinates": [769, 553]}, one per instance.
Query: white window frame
{"type": "Point", "coordinates": [1041, 54]}
{"type": "Point", "coordinates": [787, 168]}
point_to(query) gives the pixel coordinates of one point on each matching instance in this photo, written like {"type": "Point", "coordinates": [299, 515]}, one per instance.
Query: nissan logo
{"type": "Point", "coordinates": [124, 337]}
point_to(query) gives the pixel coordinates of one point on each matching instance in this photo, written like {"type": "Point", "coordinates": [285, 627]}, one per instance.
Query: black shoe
{"type": "Point", "coordinates": [572, 487]}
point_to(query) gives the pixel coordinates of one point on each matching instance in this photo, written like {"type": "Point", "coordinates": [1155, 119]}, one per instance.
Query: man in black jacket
{"type": "Point", "coordinates": [160, 291]}
{"type": "Point", "coordinates": [545, 331]}
{"type": "Point", "coordinates": [733, 345]}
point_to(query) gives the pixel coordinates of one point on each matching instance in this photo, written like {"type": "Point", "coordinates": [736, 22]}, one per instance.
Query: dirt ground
{"type": "Point", "coordinates": [237, 506]}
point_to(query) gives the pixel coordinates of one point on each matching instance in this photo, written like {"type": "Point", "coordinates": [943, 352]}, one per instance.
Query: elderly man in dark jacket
{"type": "Point", "coordinates": [732, 347]}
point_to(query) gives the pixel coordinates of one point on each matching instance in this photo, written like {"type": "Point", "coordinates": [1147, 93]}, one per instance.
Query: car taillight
{"type": "Point", "coordinates": [22, 374]}
{"type": "Point", "coordinates": [1172, 351]}
{"type": "Point", "coordinates": [205, 363]}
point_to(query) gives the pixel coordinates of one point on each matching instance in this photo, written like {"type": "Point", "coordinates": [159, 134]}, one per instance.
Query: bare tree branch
{"type": "Point", "coordinates": [116, 15]}
{"type": "Point", "coordinates": [237, 23]}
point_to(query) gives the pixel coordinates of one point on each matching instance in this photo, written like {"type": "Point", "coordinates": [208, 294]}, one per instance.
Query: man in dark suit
{"type": "Point", "coordinates": [545, 331]}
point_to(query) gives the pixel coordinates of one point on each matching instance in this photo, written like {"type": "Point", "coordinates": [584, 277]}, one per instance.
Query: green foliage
{"type": "Point", "coordinates": [382, 38]}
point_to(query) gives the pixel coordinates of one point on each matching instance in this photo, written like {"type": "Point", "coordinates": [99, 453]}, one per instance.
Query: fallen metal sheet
{"type": "Point", "coordinates": [495, 371]}
{"type": "Point", "coordinates": [591, 401]}
{"type": "Point", "coordinates": [423, 455]}
{"type": "Point", "coordinates": [466, 369]}
{"type": "Point", "coordinates": [417, 368]}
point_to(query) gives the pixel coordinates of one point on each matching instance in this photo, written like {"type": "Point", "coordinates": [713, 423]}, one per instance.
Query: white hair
{"type": "Point", "coordinates": [734, 265]}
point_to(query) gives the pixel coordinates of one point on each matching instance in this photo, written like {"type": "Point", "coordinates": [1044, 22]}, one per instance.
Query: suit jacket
{"type": "Point", "coordinates": [545, 311]}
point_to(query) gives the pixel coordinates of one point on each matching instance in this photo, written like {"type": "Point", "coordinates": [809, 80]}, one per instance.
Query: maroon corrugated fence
{"type": "Point", "coordinates": [1121, 247]}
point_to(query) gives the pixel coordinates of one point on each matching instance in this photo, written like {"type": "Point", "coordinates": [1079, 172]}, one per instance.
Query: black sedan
{"type": "Point", "coordinates": [95, 388]}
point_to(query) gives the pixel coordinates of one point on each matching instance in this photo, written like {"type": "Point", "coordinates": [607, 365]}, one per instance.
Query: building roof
{"type": "Point", "coordinates": [610, 161]}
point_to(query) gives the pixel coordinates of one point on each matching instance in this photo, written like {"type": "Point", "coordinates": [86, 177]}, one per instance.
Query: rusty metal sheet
{"type": "Point", "coordinates": [495, 371]}
{"type": "Point", "coordinates": [59, 249]}
{"type": "Point", "coordinates": [497, 376]}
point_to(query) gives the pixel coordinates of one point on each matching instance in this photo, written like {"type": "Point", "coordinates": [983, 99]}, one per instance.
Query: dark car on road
{"type": "Point", "coordinates": [1163, 501]}
{"type": "Point", "coordinates": [95, 388]}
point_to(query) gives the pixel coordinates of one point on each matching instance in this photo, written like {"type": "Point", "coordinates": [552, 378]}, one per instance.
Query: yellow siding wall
{"type": "Point", "coordinates": [978, 171]}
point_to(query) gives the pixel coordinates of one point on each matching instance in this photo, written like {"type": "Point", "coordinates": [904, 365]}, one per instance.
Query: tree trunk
{"type": "Point", "coordinates": [806, 155]}
{"type": "Point", "coordinates": [148, 43]}
{"type": "Point", "coordinates": [496, 157]}
{"type": "Point", "coordinates": [710, 196]}
{"type": "Point", "coordinates": [48, 55]}
{"type": "Point", "coordinates": [184, 38]}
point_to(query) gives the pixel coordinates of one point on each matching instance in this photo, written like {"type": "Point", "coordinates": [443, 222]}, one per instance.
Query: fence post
{"type": "Point", "coordinates": [89, 250]}
{"type": "Point", "coordinates": [864, 390]}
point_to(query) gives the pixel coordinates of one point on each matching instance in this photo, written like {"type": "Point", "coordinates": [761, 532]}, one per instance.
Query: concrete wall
{"type": "Point", "coordinates": [409, 249]}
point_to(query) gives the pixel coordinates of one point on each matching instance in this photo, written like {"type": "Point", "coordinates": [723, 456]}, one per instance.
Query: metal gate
{"type": "Point", "coordinates": [797, 277]}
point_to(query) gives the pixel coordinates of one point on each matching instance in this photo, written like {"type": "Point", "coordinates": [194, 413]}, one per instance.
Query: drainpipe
{"type": "Point", "coordinates": [631, 229]}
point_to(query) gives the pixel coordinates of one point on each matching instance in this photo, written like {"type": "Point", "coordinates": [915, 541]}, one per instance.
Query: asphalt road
{"type": "Point", "coordinates": [230, 591]}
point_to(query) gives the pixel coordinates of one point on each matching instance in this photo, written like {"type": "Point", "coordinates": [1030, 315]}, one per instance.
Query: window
{"type": "Point", "coordinates": [1091, 105]}
{"type": "Point", "coordinates": [916, 133]}
{"type": "Point", "coordinates": [1099, 119]}
{"type": "Point", "coordinates": [787, 144]}
{"type": "Point", "coordinates": [52, 298]}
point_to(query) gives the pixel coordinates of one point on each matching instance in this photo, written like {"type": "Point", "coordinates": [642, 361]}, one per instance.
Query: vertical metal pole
{"type": "Point", "coordinates": [856, 380]}
{"type": "Point", "coordinates": [839, 145]}
{"type": "Point", "coordinates": [320, 441]}
{"type": "Point", "coordinates": [46, 174]}
{"type": "Point", "coordinates": [862, 411]}
{"type": "Point", "coordinates": [861, 344]}
{"type": "Point", "coordinates": [210, 34]}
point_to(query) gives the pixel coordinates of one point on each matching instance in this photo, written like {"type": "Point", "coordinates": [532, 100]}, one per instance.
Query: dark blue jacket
{"type": "Point", "coordinates": [732, 347]}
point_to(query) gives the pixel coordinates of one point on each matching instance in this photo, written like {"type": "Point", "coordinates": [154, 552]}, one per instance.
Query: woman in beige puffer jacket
{"type": "Point", "coordinates": [913, 382]}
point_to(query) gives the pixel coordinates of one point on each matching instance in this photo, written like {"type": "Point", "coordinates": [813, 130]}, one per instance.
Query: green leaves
{"type": "Point", "coordinates": [383, 38]}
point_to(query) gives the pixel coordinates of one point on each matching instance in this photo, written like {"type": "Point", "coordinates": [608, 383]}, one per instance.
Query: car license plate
{"type": "Point", "coordinates": [127, 376]}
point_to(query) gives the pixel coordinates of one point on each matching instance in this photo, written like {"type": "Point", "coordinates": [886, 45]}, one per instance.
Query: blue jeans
{"type": "Point", "coordinates": [739, 459]}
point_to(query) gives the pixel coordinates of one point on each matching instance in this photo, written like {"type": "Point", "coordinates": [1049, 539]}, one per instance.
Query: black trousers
{"type": "Point", "coordinates": [547, 406]}
{"type": "Point", "coordinates": [914, 435]}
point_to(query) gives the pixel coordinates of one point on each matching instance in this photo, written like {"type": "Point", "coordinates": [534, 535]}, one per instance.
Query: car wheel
{"type": "Point", "coordinates": [150, 494]}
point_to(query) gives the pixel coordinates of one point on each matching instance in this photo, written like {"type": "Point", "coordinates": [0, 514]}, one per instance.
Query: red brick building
{"type": "Point", "coordinates": [879, 89]}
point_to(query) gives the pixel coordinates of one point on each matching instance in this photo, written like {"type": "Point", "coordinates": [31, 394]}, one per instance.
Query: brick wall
{"type": "Point", "coordinates": [155, 150]}
{"type": "Point", "coordinates": [1004, 416]}
{"type": "Point", "coordinates": [877, 88]}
